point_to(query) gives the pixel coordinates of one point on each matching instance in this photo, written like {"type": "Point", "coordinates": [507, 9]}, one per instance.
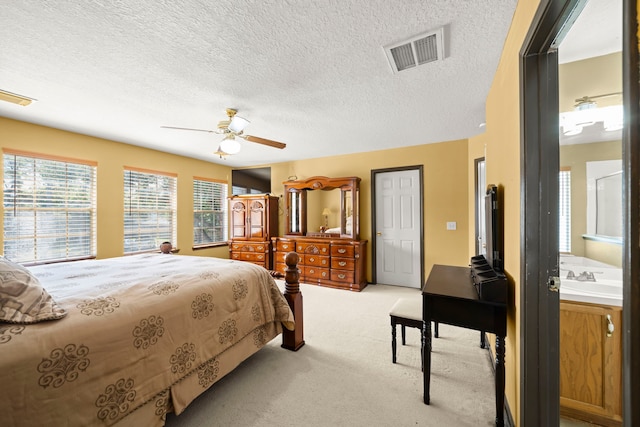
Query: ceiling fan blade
{"type": "Point", "coordinates": [263, 141]}
{"type": "Point", "coordinates": [198, 130]}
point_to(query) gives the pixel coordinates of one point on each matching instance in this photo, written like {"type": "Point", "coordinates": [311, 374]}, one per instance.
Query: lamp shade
{"type": "Point", "coordinates": [238, 124]}
{"type": "Point", "coordinates": [326, 212]}
{"type": "Point", "coordinates": [230, 146]}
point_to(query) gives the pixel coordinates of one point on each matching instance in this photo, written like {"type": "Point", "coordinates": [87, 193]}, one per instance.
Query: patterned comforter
{"type": "Point", "coordinates": [145, 335]}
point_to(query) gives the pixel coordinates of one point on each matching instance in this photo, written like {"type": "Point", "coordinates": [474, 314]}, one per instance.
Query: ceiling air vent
{"type": "Point", "coordinates": [418, 50]}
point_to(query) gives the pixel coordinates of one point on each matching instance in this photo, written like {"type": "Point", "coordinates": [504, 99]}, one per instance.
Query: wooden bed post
{"type": "Point", "coordinates": [293, 340]}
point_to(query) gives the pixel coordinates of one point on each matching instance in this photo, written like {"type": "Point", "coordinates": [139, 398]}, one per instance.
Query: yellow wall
{"type": "Point", "coordinates": [502, 140]}
{"type": "Point", "coordinates": [112, 157]}
{"type": "Point", "coordinates": [445, 193]}
{"type": "Point", "coordinates": [590, 77]}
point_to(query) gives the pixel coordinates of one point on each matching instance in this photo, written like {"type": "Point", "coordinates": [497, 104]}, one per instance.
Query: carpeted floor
{"type": "Point", "coordinates": [343, 376]}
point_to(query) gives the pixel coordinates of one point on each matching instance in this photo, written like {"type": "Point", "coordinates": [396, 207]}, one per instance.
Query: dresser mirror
{"type": "Point", "coordinates": [323, 207]}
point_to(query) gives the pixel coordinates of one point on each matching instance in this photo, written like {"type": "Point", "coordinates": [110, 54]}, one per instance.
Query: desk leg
{"type": "Point", "coordinates": [426, 358]}
{"type": "Point", "coordinates": [499, 381]}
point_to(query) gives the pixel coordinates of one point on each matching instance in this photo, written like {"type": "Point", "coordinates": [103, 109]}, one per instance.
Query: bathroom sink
{"type": "Point", "coordinates": [603, 287]}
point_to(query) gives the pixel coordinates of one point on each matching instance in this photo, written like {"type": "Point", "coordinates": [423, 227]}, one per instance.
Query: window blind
{"type": "Point", "coordinates": [49, 209]}
{"type": "Point", "coordinates": [149, 210]}
{"type": "Point", "coordinates": [209, 212]}
{"type": "Point", "coordinates": [565, 211]}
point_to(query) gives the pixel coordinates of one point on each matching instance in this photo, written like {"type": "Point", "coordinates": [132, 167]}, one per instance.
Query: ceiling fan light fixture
{"type": "Point", "coordinates": [230, 145]}
{"type": "Point", "coordinates": [238, 124]}
{"type": "Point", "coordinates": [219, 152]}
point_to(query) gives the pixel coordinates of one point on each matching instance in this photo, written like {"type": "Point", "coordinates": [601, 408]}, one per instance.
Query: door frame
{"type": "Point", "coordinates": [539, 310]}
{"type": "Point", "coordinates": [374, 172]}
{"type": "Point", "coordinates": [476, 162]}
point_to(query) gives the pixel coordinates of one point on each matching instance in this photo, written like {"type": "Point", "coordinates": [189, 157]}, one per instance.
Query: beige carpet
{"type": "Point", "coordinates": [343, 376]}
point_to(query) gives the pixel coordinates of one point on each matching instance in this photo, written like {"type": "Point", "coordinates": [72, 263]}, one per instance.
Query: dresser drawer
{"type": "Point", "coordinates": [286, 246]}
{"type": "Point", "coordinates": [251, 256]}
{"type": "Point", "coordinates": [342, 251]}
{"type": "Point", "coordinates": [342, 263]}
{"type": "Point", "coordinates": [342, 276]}
{"type": "Point", "coordinates": [312, 248]}
{"type": "Point", "coordinates": [318, 260]}
{"type": "Point", "coordinates": [280, 256]}
{"type": "Point", "coordinates": [281, 267]}
{"type": "Point", "coordinates": [313, 272]}
{"type": "Point", "coordinates": [248, 247]}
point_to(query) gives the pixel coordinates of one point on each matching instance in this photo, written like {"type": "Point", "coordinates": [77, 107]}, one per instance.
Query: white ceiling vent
{"type": "Point", "coordinates": [418, 50]}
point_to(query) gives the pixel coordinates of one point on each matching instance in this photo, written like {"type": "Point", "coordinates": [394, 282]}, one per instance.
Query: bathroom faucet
{"type": "Point", "coordinates": [586, 276]}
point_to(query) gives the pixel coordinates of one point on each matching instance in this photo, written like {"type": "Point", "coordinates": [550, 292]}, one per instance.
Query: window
{"type": "Point", "coordinates": [149, 209]}
{"type": "Point", "coordinates": [49, 208]}
{"type": "Point", "coordinates": [565, 210]}
{"type": "Point", "coordinates": [209, 211]}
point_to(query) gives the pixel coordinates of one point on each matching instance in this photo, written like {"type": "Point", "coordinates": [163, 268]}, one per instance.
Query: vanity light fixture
{"type": "Point", "coordinates": [14, 98]}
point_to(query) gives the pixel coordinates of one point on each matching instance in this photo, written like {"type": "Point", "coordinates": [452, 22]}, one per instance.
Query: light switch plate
{"type": "Point", "coordinates": [451, 225]}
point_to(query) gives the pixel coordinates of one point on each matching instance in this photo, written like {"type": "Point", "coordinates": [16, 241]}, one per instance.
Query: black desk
{"type": "Point", "coordinates": [450, 297]}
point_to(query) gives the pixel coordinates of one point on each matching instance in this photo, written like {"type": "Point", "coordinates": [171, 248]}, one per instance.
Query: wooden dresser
{"type": "Point", "coordinates": [253, 220]}
{"type": "Point", "coordinates": [336, 263]}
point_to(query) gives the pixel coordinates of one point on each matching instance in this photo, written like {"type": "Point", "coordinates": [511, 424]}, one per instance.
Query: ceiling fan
{"type": "Point", "coordinates": [232, 128]}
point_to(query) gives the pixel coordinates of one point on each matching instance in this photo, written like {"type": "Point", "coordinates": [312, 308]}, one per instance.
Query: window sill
{"type": "Point", "coordinates": [603, 239]}
{"type": "Point", "coordinates": [210, 245]}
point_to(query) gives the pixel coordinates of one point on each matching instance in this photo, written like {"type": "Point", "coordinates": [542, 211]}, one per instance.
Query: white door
{"type": "Point", "coordinates": [397, 227]}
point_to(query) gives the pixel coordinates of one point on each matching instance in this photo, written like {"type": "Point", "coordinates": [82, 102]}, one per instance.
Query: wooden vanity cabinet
{"type": "Point", "coordinates": [591, 363]}
{"type": "Point", "coordinates": [253, 220]}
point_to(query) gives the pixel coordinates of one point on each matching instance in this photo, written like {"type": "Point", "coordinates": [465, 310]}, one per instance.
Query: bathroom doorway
{"type": "Point", "coordinates": [540, 153]}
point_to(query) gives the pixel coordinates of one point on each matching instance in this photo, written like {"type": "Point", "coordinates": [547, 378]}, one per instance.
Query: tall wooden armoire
{"type": "Point", "coordinates": [253, 220]}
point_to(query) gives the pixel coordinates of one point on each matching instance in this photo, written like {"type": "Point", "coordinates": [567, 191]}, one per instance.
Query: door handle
{"type": "Point", "coordinates": [379, 233]}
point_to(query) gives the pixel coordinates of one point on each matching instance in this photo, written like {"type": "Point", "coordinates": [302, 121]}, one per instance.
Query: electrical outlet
{"type": "Point", "coordinates": [451, 225]}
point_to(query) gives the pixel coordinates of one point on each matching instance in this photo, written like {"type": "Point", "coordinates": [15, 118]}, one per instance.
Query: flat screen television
{"type": "Point", "coordinates": [494, 239]}
{"type": "Point", "coordinates": [251, 181]}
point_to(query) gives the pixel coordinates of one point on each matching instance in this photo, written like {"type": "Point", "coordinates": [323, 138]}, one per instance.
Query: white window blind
{"type": "Point", "coordinates": [149, 210]}
{"type": "Point", "coordinates": [565, 210]}
{"type": "Point", "coordinates": [209, 212]}
{"type": "Point", "coordinates": [49, 209]}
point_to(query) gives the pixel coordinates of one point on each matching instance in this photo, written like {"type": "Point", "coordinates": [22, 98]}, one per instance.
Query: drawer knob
{"type": "Point", "coordinates": [312, 271]}
{"type": "Point", "coordinates": [311, 259]}
{"type": "Point", "coordinates": [285, 246]}
{"type": "Point", "coordinates": [324, 274]}
{"type": "Point", "coordinates": [341, 276]}
{"type": "Point", "coordinates": [342, 263]}
{"type": "Point", "coordinates": [341, 251]}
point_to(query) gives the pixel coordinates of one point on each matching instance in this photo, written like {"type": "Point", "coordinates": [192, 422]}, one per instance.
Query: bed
{"type": "Point", "coordinates": [135, 337]}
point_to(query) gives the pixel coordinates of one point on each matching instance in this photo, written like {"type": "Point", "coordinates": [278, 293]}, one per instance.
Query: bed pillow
{"type": "Point", "coordinates": [22, 297]}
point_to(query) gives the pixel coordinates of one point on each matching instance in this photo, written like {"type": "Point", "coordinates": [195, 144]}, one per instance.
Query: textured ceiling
{"type": "Point", "coordinates": [311, 74]}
